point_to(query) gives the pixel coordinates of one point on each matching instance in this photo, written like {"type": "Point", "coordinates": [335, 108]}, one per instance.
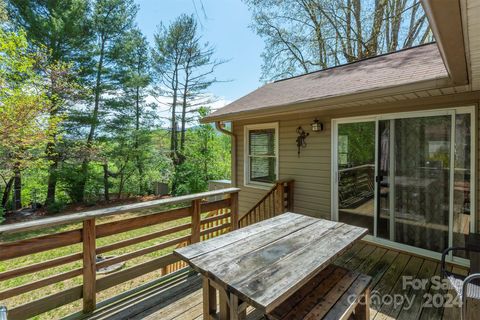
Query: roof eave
{"type": "Point", "coordinates": [445, 20]}
{"type": "Point", "coordinates": [299, 105]}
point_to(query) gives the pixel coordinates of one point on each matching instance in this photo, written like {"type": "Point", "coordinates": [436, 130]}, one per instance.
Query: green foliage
{"type": "Point", "coordinates": [361, 142]}
{"type": "Point", "coordinates": [56, 207]}
{"type": "Point", "coordinates": [207, 158]}
{"type": "Point", "coordinates": [2, 214]}
{"type": "Point", "coordinates": [24, 126]}
{"type": "Point", "coordinates": [75, 121]}
{"type": "Point", "coordinates": [3, 12]}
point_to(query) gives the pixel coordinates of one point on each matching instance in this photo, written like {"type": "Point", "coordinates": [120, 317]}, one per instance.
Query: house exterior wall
{"type": "Point", "coordinates": [312, 169]}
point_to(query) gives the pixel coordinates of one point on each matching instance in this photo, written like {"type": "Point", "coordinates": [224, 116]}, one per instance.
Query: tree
{"type": "Point", "coordinates": [24, 108]}
{"type": "Point", "coordinates": [306, 35]}
{"type": "Point", "coordinates": [133, 115]}
{"type": "Point", "coordinates": [111, 20]}
{"type": "Point", "coordinates": [183, 67]}
{"type": "Point", "coordinates": [62, 28]}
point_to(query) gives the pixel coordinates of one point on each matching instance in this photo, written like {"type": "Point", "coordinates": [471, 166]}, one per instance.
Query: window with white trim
{"type": "Point", "coordinates": [261, 154]}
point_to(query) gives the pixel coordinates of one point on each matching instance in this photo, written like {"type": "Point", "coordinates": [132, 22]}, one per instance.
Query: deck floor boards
{"type": "Point", "coordinates": [387, 267]}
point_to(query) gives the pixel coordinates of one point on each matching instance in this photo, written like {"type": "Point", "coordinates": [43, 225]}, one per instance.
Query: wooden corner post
{"type": "Point", "coordinates": [280, 198]}
{"type": "Point", "coordinates": [196, 220]}
{"type": "Point", "coordinates": [290, 186]}
{"type": "Point", "coordinates": [89, 265]}
{"type": "Point", "coordinates": [234, 211]}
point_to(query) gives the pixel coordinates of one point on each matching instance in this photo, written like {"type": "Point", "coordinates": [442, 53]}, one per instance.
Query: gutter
{"type": "Point", "coordinates": [220, 126]}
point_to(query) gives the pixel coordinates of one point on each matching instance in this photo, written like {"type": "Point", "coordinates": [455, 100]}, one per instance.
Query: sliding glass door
{"type": "Point", "coordinates": [416, 184]}
{"type": "Point", "coordinates": [407, 178]}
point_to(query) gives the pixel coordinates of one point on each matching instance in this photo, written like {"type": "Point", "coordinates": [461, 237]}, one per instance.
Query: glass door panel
{"type": "Point", "coordinates": [422, 181]}
{"type": "Point", "coordinates": [384, 186]}
{"type": "Point", "coordinates": [356, 172]}
{"type": "Point", "coordinates": [461, 181]}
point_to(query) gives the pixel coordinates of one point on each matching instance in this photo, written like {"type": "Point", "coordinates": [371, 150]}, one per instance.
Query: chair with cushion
{"type": "Point", "coordinates": [466, 287]}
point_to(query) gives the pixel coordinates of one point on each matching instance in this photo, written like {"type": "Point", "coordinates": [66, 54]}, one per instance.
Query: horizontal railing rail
{"type": "Point", "coordinates": [194, 219]}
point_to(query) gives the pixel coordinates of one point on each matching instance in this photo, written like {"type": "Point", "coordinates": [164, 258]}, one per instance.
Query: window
{"type": "Point", "coordinates": [261, 166]}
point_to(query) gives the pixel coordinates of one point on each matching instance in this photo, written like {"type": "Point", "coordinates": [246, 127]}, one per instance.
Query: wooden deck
{"type": "Point", "coordinates": [180, 296]}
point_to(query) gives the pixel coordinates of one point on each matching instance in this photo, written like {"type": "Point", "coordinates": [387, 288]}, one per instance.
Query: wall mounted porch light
{"type": "Point", "coordinates": [317, 126]}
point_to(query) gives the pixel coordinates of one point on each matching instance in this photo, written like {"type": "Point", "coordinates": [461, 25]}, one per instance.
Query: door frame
{"type": "Point", "coordinates": [415, 114]}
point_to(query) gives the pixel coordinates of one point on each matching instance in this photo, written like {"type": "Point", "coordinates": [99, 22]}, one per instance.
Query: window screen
{"type": "Point", "coordinates": [262, 155]}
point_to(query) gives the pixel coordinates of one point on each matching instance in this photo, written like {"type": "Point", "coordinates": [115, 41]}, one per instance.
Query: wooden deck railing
{"type": "Point", "coordinates": [279, 199]}
{"type": "Point", "coordinates": [197, 221]}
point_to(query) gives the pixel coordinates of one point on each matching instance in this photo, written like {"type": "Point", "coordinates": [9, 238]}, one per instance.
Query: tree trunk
{"type": "Point", "coordinates": [105, 182]}
{"type": "Point", "coordinates": [52, 182]}
{"type": "Point", "coordinates": [398, 8]}
{"type": "Point", "coordinates": [372, 47]}
{"type": "Point", "coordinates": [50, 151]}
{"type": "Point", "coordinates": [6, 192]}
{"type": "Point", "coordinates": [173, 134]}
{"type": "Point", "coordinates": [357, 14]}
{"type": "Point", "coordinates": [348, 26]}
{"type": "Point", "coordinates": [121, 185]}
{"type": "Point", "coordinates": [84, 170]}
{"type": "Point", "coordinates": [184, 110]}
{"type": "Point", "coordinates": [17, 189]}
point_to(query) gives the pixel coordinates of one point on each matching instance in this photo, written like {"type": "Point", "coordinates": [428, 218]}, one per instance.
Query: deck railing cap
{"type": "Point", "coordinates": [82, 216]}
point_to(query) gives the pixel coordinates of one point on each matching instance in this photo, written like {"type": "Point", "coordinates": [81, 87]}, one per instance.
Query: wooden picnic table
{"type": "Point", "coordinates": [263, 264]}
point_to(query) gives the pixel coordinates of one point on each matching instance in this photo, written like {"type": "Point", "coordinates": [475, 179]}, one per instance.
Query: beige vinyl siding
{"type": "Point", "coordinates": [312, 170]}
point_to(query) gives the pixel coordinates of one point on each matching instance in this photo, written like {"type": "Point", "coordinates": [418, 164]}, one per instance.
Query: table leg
{"type": "Point", "coordinates": [209, 300]}
{"type": "Point", "coordinates": [362, 311]}
{"type": "Point", "coordinates": [224, 312]}
{"type": "Point", "coordinates": [238, 310]}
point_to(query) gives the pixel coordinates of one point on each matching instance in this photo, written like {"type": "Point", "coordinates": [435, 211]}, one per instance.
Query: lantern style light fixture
{"type": "Point", "coordinates": [317, 126]}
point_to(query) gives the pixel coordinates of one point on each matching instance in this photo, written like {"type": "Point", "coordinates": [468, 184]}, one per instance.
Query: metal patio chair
{"type": "Point", "coordinates": [465, 286]}
{"type": "Point", "coordinates": [3, 313]}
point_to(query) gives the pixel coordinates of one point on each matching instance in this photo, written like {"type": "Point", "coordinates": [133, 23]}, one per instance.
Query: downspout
{"type": "Point", "coordinates": [221, 127]}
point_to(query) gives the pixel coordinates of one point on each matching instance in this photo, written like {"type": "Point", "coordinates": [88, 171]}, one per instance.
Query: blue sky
{"type": "Point", "coordinates": [226, 27]}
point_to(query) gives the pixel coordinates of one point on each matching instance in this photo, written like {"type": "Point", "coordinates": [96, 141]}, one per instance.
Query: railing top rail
{"type": "Point", "coordinates": [357, 167]}
{"type": "Point", "coordinates": [82, 216]}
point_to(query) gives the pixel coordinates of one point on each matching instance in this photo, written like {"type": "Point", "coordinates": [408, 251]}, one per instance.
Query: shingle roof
{"type": "Point", "coordinates": [394, 69]}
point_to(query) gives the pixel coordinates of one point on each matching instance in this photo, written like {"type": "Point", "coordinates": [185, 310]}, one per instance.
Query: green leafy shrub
{"type": "Point", "coordinates": [2, 214]}
{"type": "Point", "coordinates": [56, 207]}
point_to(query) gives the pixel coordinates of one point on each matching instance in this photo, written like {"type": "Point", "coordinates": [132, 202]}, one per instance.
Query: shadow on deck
{"type": "Point", "coordinates": [179, 296]}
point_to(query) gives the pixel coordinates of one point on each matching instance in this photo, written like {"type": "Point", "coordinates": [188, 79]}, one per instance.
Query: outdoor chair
{"type": "Point", "coordinates": [465, 286]}
{"type": "Point", "coordinates": [3, 313]}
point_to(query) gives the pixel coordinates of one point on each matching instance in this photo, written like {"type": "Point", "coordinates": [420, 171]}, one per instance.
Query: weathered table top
{"type": "Point", "coordinates": [264, 263]}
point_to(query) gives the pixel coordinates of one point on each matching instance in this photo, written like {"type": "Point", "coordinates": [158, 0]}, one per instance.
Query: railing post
{"type": "Point", "coordinates": [234, 211]}
{"type": "Point", "coordinates": [196, 220]}
{"type": "Point", "coordinates": [290, 195]}
{"type": "Point", "coordinates": [89, 265]}
{"type": "Point", "coordinates": [280, 198]}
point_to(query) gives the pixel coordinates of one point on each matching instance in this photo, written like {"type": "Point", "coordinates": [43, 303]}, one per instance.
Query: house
{"type": "Point", "coordinates": [399, 146]}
